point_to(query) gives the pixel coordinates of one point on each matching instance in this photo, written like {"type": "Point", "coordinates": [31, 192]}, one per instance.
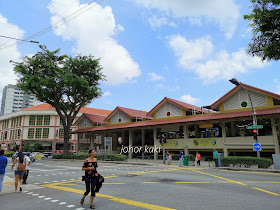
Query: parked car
{"type": "Point", "coordinates": [48, 154]}
{"type": "Point", "coordinates": [32, 158]}
{"type": "Point", "coordinates": [38, 155]}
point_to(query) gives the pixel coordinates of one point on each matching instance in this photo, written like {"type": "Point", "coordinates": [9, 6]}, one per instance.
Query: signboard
{"type": "Point", "coordinates": [257, 147]}
{"type": "Point", "coordinates": [206, 126]}
{"type": "Point", "coordinates": [172, 143]}
{"type": "Point", "coordinates": [108, 141]}
{"type": "Point", "coordinates": [255, 127]}
{"type": "Point", "coordinates": [205, 142]}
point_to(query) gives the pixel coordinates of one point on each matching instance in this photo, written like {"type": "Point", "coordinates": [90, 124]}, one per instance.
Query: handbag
{"type": "Point", "coordinates": [21, 167]}
{"type": "Point", "coordinates": [83, 178]}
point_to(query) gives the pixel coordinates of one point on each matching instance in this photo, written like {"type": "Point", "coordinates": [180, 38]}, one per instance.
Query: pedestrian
{"type": "Point", "coordinates": [20, 165]}
{"type": "Point", "coordinates": [198, 157]}
{"type": "Point", "coordinates": [26, 172]}
{"type": "Point", "coordinates": [168, 158]}
{"type": "Point", "coordinates": [90, 178]}
{"type": "Point", "coordinates": [3, 165]}
{"type": "Point", "coordinates": [215, 157]}
{"type": "Point", "coordinates": [181, 159]}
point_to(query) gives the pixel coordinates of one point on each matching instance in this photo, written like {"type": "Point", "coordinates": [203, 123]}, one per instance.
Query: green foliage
{"type": "Point", "coordinates": [113, 157]}
{"type": "Point", "coordinates": [265, 18]}
{"type": "Point", "coordinates": [26, 147]}
{"type": "Point", "coordinates": [62, 81]}
{"type": "Point", "coordinates": [9, 154]}
{"type": "Point", "coordinates": [246, 162]}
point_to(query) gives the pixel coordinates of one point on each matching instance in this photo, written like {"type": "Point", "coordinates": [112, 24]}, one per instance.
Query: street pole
{"type": "Point", "coordinates": [236, 82]}
{"type": "Point", "coordinates": [163, 152]}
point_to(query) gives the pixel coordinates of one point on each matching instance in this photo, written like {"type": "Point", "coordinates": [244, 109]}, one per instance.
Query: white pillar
{"type": "Point", "coordinates": [155, 141]}
{"type": "Point", "coordinates": [275, 136]}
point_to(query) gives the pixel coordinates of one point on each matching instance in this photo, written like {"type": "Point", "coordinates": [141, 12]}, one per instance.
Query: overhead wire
{"type": "Point", "coordinates": [57, 24]}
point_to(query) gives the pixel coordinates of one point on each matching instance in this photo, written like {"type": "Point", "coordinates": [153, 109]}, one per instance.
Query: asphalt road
{"type": "Point", "coordinates": [145, 187]}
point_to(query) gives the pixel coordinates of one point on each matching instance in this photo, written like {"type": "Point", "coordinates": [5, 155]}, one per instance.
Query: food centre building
{"type": "Point", "coordinates": [222, 126]}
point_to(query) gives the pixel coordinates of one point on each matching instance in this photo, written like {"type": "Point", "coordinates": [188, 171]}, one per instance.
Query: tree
{"type": "Point", "coordinates": [62, 81]}
{"type": "Point", "coordinates": [265, 19]}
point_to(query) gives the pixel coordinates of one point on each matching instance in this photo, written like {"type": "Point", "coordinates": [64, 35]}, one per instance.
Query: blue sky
{"type": "Point", "coordinates": [149, 49]}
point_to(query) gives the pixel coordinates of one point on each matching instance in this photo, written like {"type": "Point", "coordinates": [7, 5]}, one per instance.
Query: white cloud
{"type": "Point", "coordinates": [93, 32]}
{"type": "Point", "coordinates": [156, 22]}
{"type": "Point", "coordinates": [189, 52]}
{"type": "Point", "coordinates": [199, 56]}
{"type": "Point", "coordinates": [154, 77]}
{"type": "Point", "coordinates": [107, 94]}
{"type": "Point", "coordinates": [223, 12]}
{"type": "Point", "coordinates": [189, 99]}
{"type": "Point", "coordinates": [11, 53]}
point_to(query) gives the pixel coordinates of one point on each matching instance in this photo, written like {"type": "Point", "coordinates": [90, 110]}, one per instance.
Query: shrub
{"type": "Point", "coordinates": [113, 157]}
{"type": "Point", "coordinates": [9, 154]}
{"type": "Point", "coordinates": [246, 162]}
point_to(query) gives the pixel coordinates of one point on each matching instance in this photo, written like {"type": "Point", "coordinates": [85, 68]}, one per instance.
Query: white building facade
{"type": "Point", "coordinates": [14, 99]}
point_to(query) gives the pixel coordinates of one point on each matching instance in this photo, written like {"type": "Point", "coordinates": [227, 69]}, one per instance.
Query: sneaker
{"type": "Point", "coordinates": [20, 189]}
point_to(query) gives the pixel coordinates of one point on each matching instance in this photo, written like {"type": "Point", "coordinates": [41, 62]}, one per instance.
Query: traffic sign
{"type": "Point", "coordinates": [257, 147]}
{"type": "Point", "coordinates": [254, 127]}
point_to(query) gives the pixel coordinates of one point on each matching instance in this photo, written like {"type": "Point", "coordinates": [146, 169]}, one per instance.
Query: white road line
{"type": "Point", "coordinates": [25, 191]}
{"type": "Point", "coordinates": [47, 199]}
{"type": "Point", "coordinates": [46, 182]}
{"type": "Point", "coordinates": [80, 208]}
{"type": "Point", "coordinates": [29, 193]}
{"type": "Point", "coordinates": [36, 183]}
{"type": "Point", "coordinates": [53, 201]}
{"type": "Point", "coordinates": [38, 175]}
{"type": "Point", "coordinates": [35, 194]}
{"type": "Point", "coordinates": [41, 196]}
{"type": "Point", "coordinates": [112, 174]}
{"type": "Point", "coordinates": [55, 181]}
{"type": "Point", "coordinates": [60, 173]}
{"type": "Point", "coordinates": [70, 206]}
{"type": "Point", "coordinates": [73, 172]}
{"type": "Point", "coordinates": [64, 180]}
{"type": "Point", "coordinates": [62, 203]}
{"type": "Point", "coordinates": [54, 174]}
{"type": "Point", "coordinates": [72, 179]}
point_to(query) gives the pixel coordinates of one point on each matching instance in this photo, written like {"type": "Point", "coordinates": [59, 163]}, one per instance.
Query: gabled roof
{"type": "Point", "coordinates": [189, 119]}
{"type": "Point", "coordinates": [42, 107]}
{"type": "Point", "coordinates": [92, 117]}
{"type": "Point", "coordinates": [130, 112]}
{"type": "Point", "coordinates": [181, 104]}
{"type": "Point", "coordinates": [236, 88]}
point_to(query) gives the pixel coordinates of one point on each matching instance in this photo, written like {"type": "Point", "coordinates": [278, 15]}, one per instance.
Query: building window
{"type": "Point", "coordinates": [32, 120]}
{"type": "Point", "coordinates": [38, 133]}
{"type": "Point", "coordinates": [39, 120]}
{"type": "Point", "coordinates": [2, 136]}
{"type": "Point", "coordinates": [46, 133]}
{"type": "Point", "coordinates": [61, 133]}
{"type": "Point", "coordinates": [47, 120]}
{"type": "Point", "coordinates": [30, 133]}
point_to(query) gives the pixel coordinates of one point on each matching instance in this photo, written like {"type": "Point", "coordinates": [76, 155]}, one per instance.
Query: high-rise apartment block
{"type": "Point", "coordinates": [14, 99]}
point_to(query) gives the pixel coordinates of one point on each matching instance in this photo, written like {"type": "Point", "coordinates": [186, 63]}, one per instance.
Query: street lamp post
{"type": "Point", "coordinates": [236, 82]}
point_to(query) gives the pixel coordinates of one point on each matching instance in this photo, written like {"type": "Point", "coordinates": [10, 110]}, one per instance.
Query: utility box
{"type": "Point", "coordinates": [276, 161]}
{"type": "Point", "coordinates": [186, 160]}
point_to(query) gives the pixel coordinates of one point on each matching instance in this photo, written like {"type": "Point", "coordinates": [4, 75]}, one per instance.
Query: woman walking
{"type": "Point", "coordinates": [20, 164]}
{"type": "Point", "coordinates": [91, 174]}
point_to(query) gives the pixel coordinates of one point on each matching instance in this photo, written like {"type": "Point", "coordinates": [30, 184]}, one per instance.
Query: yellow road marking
{"type": "Point", "coordinates": [112, 198]}
{"type": "Point", "coordinates": [241, 183]}
{"type": "Point", "coordinates": [276, 174]}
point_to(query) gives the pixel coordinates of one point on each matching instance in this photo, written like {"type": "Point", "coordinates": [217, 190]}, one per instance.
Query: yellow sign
{"type": "Point", "coordinates": [206, 126]}
{"type": "Point", "coordinates": [205, 142]}
{"type": "Point", "coordinates": [172, 143]}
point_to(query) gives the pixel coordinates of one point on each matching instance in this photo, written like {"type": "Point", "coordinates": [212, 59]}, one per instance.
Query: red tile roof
{"type": "Point", "coordinates": [82, 110]}
{"type": "Point", "coordinates": [130, 112]}
{"type": "Point", "coordinates": [95, 118]}
{"type": "Point", "coordinates": [232, 91]}
{"type": "Point", "coordinates": [181, 104]}
{"type": "Point", "coordinates": [190, 119]}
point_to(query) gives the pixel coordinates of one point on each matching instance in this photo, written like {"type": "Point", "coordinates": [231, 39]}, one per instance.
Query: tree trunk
{"type": "Point", "coordinates": [66, 144]}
